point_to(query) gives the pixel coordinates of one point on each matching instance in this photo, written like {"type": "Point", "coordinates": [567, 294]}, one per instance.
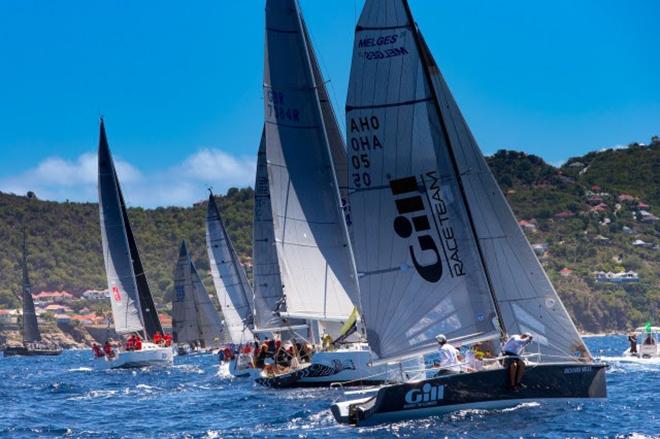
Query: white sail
{"type": "Point", "coordinates": [194, 318]}
{"type": "Point", "coordinates": [268, 294]}
{"type": "Point", "coordinates": [417, 258]}
{"type": "Point", "coordinates": [231, 285]}
{"type": "Point", "coordinates": [527, 301]}
{"type": "Point", "coordinates": [116, 250]}
{"type": "Point", "coordinates": [312, 242]}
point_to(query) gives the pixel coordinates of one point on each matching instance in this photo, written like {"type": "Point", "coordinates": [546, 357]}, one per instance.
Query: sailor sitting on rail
{"type": "Point", "coordinates": [449, 357]}
{"type": "Point", "coordinates": [513, 349]}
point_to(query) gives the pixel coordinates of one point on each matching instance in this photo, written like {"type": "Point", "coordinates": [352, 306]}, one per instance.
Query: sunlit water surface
{"type": "Point", "coordinates": [64, 397]}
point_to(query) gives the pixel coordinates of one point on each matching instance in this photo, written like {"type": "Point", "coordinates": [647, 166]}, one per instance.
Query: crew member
{"type": "Point", "coordinates": [107, 349]}
{"type": "Point", "coordinates": [449, 356]}
{"type": "Point", "coordinates": [168, 340]}
{"type": "Point", "coordinates": [98, 353]}
{"type": "Point", "coordinates": [138, 343]}
{"type": "Point", "coordinates": [632, 339]}
{"type": "Point", "coordinates": [326, 342]}
{"type": "Point", "coordinates": [158, 338]}
{"type": "Point", "coordinates": [513, 349]}
{"type": "Point", "coordinates": [130, 343]}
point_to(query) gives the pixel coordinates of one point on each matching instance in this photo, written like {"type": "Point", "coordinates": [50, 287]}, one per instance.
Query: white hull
{"type": "Point", "coordinates": [240, 367]}
{"type": "Point", "coordinates": [644, 351]}
{"type": "Point", "coordinates": [150, 355]}
{"type": "Point", "coordinates": [345, 366]}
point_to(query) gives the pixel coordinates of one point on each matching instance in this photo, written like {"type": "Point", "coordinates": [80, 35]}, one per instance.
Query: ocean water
{"type": "Point", "coordinates": [64, 397]}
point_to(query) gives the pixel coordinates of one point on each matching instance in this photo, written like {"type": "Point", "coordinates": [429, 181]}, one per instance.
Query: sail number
{"type": "Point", "coordinates": [361, 178]}
{"type": "Point", "coordinates": [278, 110]}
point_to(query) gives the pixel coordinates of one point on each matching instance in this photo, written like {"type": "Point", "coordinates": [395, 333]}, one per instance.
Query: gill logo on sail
{"type": "Point", "coordinates": [427, 395]}
{"type": "Point", "coordinates": [410, 203]}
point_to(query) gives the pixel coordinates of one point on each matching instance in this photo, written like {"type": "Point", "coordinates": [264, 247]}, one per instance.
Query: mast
{"type": "Point", "coordinates": [424, 54]}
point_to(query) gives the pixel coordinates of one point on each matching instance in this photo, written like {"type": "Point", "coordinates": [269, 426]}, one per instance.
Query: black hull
{"type": "Point", "coordinates": [22, 351]}
{"type": "Point", "coordinates": [485, 389]}
{"type": "Point", "coordinates": [301, 378]}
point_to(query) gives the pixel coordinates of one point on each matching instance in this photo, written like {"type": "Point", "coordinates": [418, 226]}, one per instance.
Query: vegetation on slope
{"type": "Point", "coordinates": [558, 203]}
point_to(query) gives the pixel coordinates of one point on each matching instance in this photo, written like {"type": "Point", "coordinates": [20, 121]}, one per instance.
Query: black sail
{"type": "Point", "coordinates": [30, 327]}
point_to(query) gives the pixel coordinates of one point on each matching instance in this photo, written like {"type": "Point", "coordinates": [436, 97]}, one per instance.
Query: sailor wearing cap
{"type": "Point", "coordinates": [449, 356]}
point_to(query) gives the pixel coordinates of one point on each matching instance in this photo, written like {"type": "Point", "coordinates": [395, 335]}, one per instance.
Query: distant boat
{"type": "Point", "coordinates": [133, 308]}
{"type": "Point", "coordinates": [307, 178]}
{"type": "Point", "coordinates": [32, 342]}
{"type": "Point", "coordinates": [231, 285]}
{"type": "Point", "coordinates": [646, 345]}
{"type": "Point", "coordinates": [437, 247]}
{"type": "Point", "coordinates": [196, 325]}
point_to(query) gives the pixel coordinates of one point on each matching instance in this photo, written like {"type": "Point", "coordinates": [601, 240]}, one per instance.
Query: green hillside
{"type": "Point", "coordinates": [574, 212]}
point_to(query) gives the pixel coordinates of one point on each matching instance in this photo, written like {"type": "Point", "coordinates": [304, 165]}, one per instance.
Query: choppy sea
{"type": "Point", "coordinates": [64, 397]}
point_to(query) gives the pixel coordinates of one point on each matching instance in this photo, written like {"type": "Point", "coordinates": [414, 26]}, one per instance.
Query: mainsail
{"type": "Point", "coordinates": [133, 308]}
{"type": "Point", "coordinates": [194, 318]}
{"type": "Point", "coordinates": [231, 285]}
{"type": "Point", "coordinates": [312, 242]}
{"type": "Point", "coordinates": [417, 258]}
{"type": "Point", "coordinates": [30, 327]}
{"type": "Point", "coordinates": [473, 273]}
{"type": "Point", "coordinates": [526, 300]}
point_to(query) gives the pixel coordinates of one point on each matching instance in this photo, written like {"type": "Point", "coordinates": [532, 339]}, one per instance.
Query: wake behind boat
{"type": "Point", "coordinates": [445, 242]}
{"type": "Point", "coordinates": [133, 308]}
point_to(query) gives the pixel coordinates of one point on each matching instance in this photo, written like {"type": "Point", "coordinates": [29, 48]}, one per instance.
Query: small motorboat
{"type": "Point", "coordinates": [645, 340]}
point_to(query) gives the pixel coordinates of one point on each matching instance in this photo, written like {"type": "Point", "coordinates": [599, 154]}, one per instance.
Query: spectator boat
{"type": "Point", "coordinates": [444, 254]}
{"type": "Point", "coordinates": [133, 308]}
{"type": "Point", "coordinates": [648, 338]}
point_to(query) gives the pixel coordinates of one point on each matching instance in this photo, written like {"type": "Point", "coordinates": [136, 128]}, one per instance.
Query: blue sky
{"type": "Point", "coordinates": [180, 84]}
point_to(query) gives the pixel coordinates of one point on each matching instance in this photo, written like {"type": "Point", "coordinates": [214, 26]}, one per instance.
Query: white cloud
{"type": "Point", "coordinates": [59, 179]}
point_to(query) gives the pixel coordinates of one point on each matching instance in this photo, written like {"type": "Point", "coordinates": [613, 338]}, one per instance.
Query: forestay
{"type": "Point", "coordinates": [312, 242]}
{"type": "Point", "coordinates": [194, 317]}
{"type": "Point", "coordinates": [30, 326]}
{"type": "Point", "coordinates": [417, 258]}
{"type": "Point", "coordinates": [526, 299]}
{"type": "Point", "coordinates": [231, 285]}
{"type": "Point", "coordinates": [116, 250]}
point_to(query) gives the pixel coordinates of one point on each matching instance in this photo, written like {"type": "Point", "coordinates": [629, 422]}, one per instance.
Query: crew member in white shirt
{"type": "Point", "coordinates": [513, 349]}
{"type": "Point", "coordinates": [449, 357]}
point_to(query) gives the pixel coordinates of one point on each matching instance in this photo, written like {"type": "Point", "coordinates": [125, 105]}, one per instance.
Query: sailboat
{"type": "Point", "coordinates": [133, 308]}
{"type": "Point", "coordinates": [269, 298]}
{"type": "Point", "coordinates": [445, 243]}
{"type": "Point", "coordinates": [231, 285]}
{"type": "Point", "coordinates": [306, 164]}
{"type": "Point", "coordinates": [32, 343]}
{"type": "Point", "coordinates": [196, 325]}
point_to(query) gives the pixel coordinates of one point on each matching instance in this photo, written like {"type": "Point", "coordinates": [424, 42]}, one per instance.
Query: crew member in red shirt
{"type": "Point", "coordinates": [107, 348]}
{"type": "Point", "coordinates": [158, 338]}
{"type": "Point", "coordinates": [130, 343]}
{"type": "Point", "coordinates": [98, 353]}
{"type": "Point", "coordinates": [138, 343]}
{"type": "Point", "coordinates": [168, 340]}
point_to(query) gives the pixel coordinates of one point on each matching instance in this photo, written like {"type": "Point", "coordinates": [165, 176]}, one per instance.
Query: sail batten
{"type": "Point", "coordinates": [306, 171]}
{"type": "Point", "coordinates": [231, 285]}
